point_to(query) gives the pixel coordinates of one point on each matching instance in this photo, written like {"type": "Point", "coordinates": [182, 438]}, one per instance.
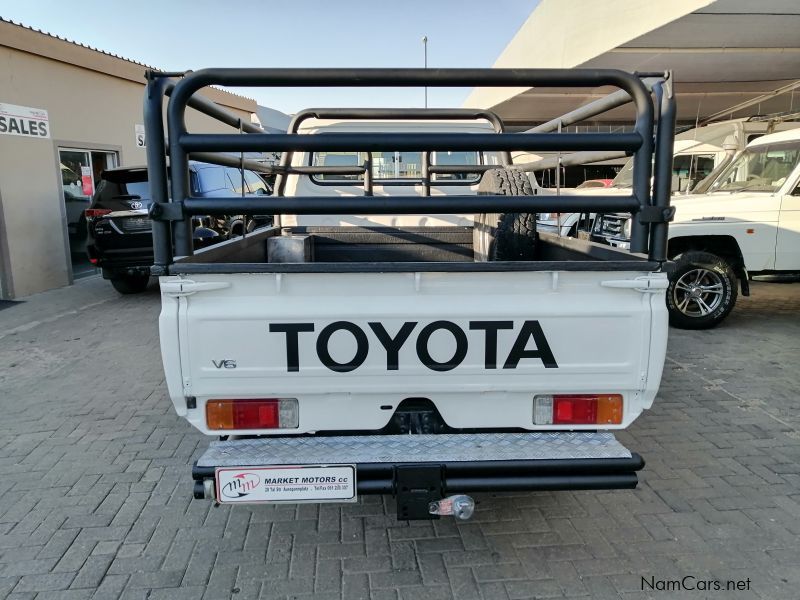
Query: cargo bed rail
{"type": "Point", "coordinates": [173, 205]}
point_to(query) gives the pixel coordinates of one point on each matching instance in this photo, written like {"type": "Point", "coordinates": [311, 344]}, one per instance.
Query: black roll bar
{"type": "Point", "coordinates": [156, 153]}
{"type": "Point", "coordinates": [179, 208]}
{"type": "Point", "coordinates": [270, 142]}
{"type": "Point", "coordinates": [227, 160]}
{"type": "Point", "coordinates": [587, 111]}
{"type": "Point", "coordinates": [662, 176]}
{"type": "Point", "coordinates": [213, 110]}
{"type": "Point", "coordinates": [439, 114]}
{"type": "Point", "coordinates": [390, 205]}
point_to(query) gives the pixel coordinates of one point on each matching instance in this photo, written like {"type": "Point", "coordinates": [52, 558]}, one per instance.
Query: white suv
{"type": "Point", "coordinates": [748, 223]}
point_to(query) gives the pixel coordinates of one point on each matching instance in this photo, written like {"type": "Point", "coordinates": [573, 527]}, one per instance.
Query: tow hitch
{"type": "Point", "coordinates": [419, 491]}
{"type": "Point", "coordinates": [418, 488]}
{"type": "Point", "coordinates": [459, 506]}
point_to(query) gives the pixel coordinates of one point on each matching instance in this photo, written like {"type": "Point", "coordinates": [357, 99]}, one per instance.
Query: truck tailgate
{"type": "Point", "coordinates": [352, 346]}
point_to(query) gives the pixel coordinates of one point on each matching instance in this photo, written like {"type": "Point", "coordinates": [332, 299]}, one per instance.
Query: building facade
{"type": "Point", "coordinates": [66, 113]}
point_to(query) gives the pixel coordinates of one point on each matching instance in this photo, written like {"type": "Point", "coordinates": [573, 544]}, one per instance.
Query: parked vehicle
{"type": "Point", "coordinates": [748, 223]}
{"type": "Point", "coordinates": [402, 329]}
{"type": "Point", "coordinates": [700, 155]}
{"type": "Point", "coordinates": [692, 161]}
{"type": "Point", "coordinates": [119, 227]}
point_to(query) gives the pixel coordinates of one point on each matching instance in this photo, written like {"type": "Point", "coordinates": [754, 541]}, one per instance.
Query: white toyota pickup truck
{"type": "Point", "coordinates": [748, 223]}
{"type": "Point", "coordinates": [402, 329]}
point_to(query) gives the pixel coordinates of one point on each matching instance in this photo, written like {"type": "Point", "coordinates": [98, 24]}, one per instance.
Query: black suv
{"type": "Point", "coordinates": [120, 238]}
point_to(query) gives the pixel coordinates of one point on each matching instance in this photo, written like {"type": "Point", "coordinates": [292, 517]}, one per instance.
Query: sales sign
{"type": "Point", "coordinates": [23, 120]}
{"type": "Point", "coordinates": [86, 181]}
{"type": "Point", "coordinates": [138, 132]}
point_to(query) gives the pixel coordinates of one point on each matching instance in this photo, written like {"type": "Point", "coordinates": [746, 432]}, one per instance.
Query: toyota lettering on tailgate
{"type": "Point", "coordinates": [529, 334]}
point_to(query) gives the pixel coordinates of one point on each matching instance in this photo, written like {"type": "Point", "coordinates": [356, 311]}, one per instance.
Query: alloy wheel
{"type": "Point", "coordinates": [698, 292]}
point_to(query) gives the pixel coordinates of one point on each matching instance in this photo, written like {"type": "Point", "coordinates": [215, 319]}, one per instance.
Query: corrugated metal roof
{"type": "Point", "coordinates": [75, 43]}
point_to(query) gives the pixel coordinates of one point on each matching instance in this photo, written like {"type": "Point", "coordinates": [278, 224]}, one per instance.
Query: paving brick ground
{"type": "Point", "coordinates": [95, 502]}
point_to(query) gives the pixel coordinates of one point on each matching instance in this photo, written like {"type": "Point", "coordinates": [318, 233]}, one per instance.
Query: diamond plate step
{"type": "Point", "coordinates": [413, 448]}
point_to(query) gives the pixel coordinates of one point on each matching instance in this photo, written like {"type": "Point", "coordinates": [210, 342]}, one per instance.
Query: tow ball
{"type": "Point", "coordinates": [459, 506]}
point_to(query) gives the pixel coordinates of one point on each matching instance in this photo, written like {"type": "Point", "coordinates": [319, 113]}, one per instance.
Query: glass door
{"type": "Point", "coordinates": [80, 173]}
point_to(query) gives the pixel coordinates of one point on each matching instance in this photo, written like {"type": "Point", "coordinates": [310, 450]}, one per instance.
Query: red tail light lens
{"type": "Point", "coordinates": [261, 413]}
{"type": "Point", "coordinates": [577, 409]}
{"type": "Point", "coordinates": [93, 213]}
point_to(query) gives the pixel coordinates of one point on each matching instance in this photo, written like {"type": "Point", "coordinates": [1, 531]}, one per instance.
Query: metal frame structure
{"type": "Point", "coordinates": [438, 114]}
{"type": "Point", "coordinates": [172, 209]}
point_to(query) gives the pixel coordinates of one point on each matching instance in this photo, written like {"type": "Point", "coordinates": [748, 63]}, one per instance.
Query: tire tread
{"type": "Point", "coordinates": [505, 236]}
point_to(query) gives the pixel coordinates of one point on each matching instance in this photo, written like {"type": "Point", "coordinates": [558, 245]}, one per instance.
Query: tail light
{"type": "Point", "coordinates": [93, 213]}
{"type": "Point", "coordinates": [577, 409]}
{"type": "Point", "coordinates": [260, 413]}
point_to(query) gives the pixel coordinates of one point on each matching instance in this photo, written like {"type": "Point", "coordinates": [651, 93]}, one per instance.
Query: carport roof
{"type": "Point", "coordinates": [722, 53]}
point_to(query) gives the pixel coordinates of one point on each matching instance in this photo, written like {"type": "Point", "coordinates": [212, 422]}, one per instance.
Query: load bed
{"type": "Point", "coordinates": [347, 248]}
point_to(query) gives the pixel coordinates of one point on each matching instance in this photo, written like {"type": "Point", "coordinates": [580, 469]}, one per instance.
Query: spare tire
{"type": "Point", "coordinates": [505, 236]}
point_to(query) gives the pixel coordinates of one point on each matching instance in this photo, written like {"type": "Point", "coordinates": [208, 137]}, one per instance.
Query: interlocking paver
{"type": "Point", "coordinates": [7, 584]}
{"type": "Point", "coordinates": [92, 572]}
{"type": "Point", "coordinates": [355, 586]}
{"type": "Point", "coordinates": [96, 499]}
{"type": "Point", "coordinates": [44, 582]}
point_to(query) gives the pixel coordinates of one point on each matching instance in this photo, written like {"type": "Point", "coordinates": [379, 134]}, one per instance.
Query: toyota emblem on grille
{"type": "Point", "coordinates": [136, 204]}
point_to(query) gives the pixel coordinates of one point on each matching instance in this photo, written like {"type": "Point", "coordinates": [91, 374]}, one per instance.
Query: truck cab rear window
{"type": "Point", "coordinates": [397, 166]}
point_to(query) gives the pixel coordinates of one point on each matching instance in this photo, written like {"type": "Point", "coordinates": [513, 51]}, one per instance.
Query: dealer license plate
{"type": "Point", "coordinates": [304, 483]}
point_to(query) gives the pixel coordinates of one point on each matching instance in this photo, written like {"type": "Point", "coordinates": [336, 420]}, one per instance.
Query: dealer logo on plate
{"type": "Point", "coordinates": [241, 485]}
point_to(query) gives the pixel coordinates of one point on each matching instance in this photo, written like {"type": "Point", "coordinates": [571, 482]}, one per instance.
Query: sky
{"type": "Point", "coordinates": [177, 35]}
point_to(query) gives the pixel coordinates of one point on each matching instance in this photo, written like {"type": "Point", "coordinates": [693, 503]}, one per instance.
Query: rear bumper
{"type": "Point", "coordinates": [492, 476]}
{"type": "Point", "coordinates": [136, 260]}
{"type": "Point", "coordinates": [448, 463]}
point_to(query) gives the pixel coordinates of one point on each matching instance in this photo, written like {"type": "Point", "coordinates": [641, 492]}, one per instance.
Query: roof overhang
{"type": "Point", "coordinates": [722, 53]}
